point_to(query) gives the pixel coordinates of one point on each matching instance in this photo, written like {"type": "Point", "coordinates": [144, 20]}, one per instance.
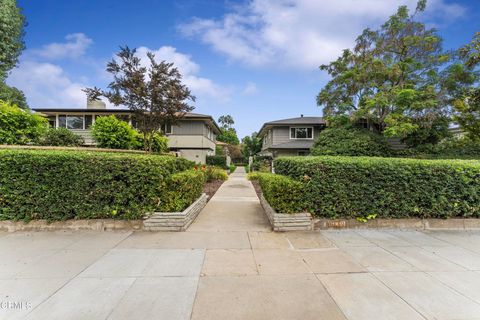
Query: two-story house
{"type": "Point", "coordinates": [290, 137]}
{"type": "Point", "coordinates": [192, 137]}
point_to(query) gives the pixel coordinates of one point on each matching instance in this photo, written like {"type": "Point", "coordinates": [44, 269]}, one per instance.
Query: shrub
{"type": "Point", "coordinates": [110, 132]}
{"type": "Point", "coordinates": [159, 143]}
{"type": "Point", "coordinates": [59, 185]}
{"type": "Point", "coordinates": [61, 137]}
{"type": "Point", "coordinates": [350, 187]}
{"type": "Point", "coordinates": [350, 142]}
{"type": "Point", "coordinates": [262, 164]}
{"type": "Point", "coordinates": [214, 173]}
{"type": "Point", "coordinates": [284, 194]}
{"type": "Point", "coordinates": [181, 190]}
{"type": "Point", "coordinates": [18, 126]}
{"type": "Point", "coordinates": [219, 161]}
{"type": "Point", "coordinates": [232, 168]}
{"type": "Point", "coordinates": [451, 148]}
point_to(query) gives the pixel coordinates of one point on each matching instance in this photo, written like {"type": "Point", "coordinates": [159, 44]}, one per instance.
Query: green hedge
{"type": "Point", "coordinates": [182, 189]}
{"type": "Point", "coordinates": [59, 185]}
{"type": "Point", "coordinates": [219, 161]}
{"type": "Point", "coordinates": [351, 187]}
{"type": "Point", "coordinates": [284, 194]}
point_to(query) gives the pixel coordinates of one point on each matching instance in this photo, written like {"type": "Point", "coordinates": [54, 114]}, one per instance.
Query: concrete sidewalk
{"type": "Point", "coordinates": [238, 269]}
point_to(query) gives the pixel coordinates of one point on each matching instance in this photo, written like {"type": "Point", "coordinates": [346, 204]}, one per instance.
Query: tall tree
{"type": "Point", "coordinates": [154, 93]}
{"type": "Point", "coordinates": [461, 82]}
{"type": "Point", "coordinates": [226, 121]}
{"type": "Point", "coordinates": [390, 78]}
{"type": "Point", "coordinates": [251, 145]}
{"type": "Point", "coordinates": [228, 134]}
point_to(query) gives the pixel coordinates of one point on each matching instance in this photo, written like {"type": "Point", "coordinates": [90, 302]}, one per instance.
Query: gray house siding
{"type": "Point", "coordinates": [281, 134]}
{"type": "Point", "coordinates": [189, 128]}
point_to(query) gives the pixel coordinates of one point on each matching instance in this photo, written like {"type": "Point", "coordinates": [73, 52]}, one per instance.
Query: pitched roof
{"type": "Point", "coordinates": [316, 121]}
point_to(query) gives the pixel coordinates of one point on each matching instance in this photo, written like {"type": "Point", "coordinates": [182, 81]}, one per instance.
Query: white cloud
{"type": "Point", "coordinates": [189, 69]}
{"type": "Point", "coordinates": [250, 89]}
{"type": "Point", "coordinates": [299, 33]}
{"type": "Point", "coordinates": [47, 85]}
{"type": "Point", "coordinates": [75, 46]}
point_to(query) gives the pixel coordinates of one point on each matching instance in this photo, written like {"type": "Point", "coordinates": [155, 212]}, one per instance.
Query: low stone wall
{"type": "Point", "coordinates": [175, 221]}
{"type": "Point", "coordinates": [286, 221]}
{"type": "Point", "coordinates": [72, 225]}
{"type": "Point", "coordinates": [419, 224]}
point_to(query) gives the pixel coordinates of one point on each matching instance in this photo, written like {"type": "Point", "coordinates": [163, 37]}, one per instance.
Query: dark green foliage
{"type": "Point", "coordinates": [18, 126]}
{"type": "Point", "coordinates": [60, 185]}
{"type": "Point", "coordinates": [228, 135]}
{"type": "Point", "coordinates": [343, 141]}
{"type": "Point", "coordinates": [262, 164]}
{"type": "Point", "coordinates": [12, 23]}
{"type": "Point", "coordinates": [61, 137]}
{"type": "Point", "coordinates": [218, 161]}
{"type": "Point", "coordinates": [213, 173]}
{"type": "Point", "coordinates": [251, 145]}
{"type": "Point", "coordinates": [181, 190]}
{"type": "Point", "coordinates": [110, 132]}
{"type": "Point", "coordinates": [13, 95]}
{"type": "Point", "coordinates": [159, 143]}
{"type": "Point", "coordinates": [429, 133]}
{"type": "Point", "coordinates": [232, 168]}
{"type": "Point", "coordinates": [451, 148]}
{"type": "Point", "coordinates": [350, 187]}
{"type": "Point", "coordinates": [284, 194]}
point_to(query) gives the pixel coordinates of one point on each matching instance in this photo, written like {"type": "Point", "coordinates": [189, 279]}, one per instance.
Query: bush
{"type": "Point", "coordinates": [181, 190]}
{"type": "Point", "coordinates": [350, 142]}
{"type": "Point", "coordinates": [218, 161]}
{"type": "Point", "coordinates": [232, 168]}
{"type": "Point", "coordinates": [61, 137]}
{"type": "Point", "coordinates": [59, 185]}
{"type": "Point", "coordinates": [159, 143]}
{"type": "Point", "coordinates": [18, 126]}
{"type": "Point", "coordinates": [214, 173]}
{"type": "Point", "coordinates": [284, 194]}
{"type": "Point", "coordinates": [262, 164]}
{"type": "Point", "coordinates": [110, 132]}
{"type": "Point", "coordinates": [351, 187]}
{"type": "Point", "coordinates": [451, 148]}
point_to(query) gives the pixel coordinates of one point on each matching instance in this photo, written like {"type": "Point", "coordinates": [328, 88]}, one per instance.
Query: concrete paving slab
{"type": "Point", "coordinates": [147, 263]}
{"type": "Point", "coordinates": [469, 240]}
{"type": "Point", "coordinates": [383, 239]}
{"type": "Point", "coordinates": [157, 298]}
{"type": "Point", "coordinates": [222, 262]}
{"type": "Point", "coordinates": [464, 282]}
{"type": "Point", "coordinates": [378, 259]}
{"type": "Point", "coordinates": [30, 292]}
{"type": "Point", "coordinates": [14, 260]}
{"type": "Point", "coordinates": [264, 298]}
{"type": "Point", "coordinates": [361, 296]}
{"type": "Point", "coordinates": [83, 298]}
{"type": "Point", "coordinates": [221, 215]}
{"type": "Point", "coordinates": [106, 240]}
{"type": "Point", "coordinates": [460, 256]}
{"type": "Point", "coordinates": [279, 261]}
{"type": "Point", "coordinates": [187, 240]}
{"type": "Point", "coordinates": [424, 260]}
{"type": "Point", "coordinates": [418, 238]}
{"type": "Point", "coordinates": [429, 296]}
{"type": "Point", "coordinates": [330, 261]}
{"type": "Point", "coordinates": [307, 240]}
{"type": "Point", "coordinates": [61, 264]}
{"type": "Point", "coordinates": [41, 240]}
{"type": "Point", "coordinates": [268, 240]}
{"type": "Point", "coordinates": [346, 238]}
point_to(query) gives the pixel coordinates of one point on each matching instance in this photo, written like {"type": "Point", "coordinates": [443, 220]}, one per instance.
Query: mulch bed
{"type": "Point", "coordinates": [257, 188]}
{"type": "Point", "coordinates": [211, 187]}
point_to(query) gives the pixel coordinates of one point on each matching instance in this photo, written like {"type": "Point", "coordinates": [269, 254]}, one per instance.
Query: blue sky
{"type": "Point", "coordinates": [256, 60]}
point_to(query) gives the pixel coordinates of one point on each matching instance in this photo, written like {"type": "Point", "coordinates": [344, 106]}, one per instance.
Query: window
{"type": "Point", "coordinates": [301, 133]}
{"type": "Point", "coordinates": [62, 121]}
{"type": "Point", "coordinates": [52, 120]}
{"type": "Point", "coordinates": [75, 122]}
{"type": "Point", "coordinates": [303, 153]}
{"type": "Point", "coordinates": [88, 121]}
{"type": "Point", "coordinates": [167, 128]}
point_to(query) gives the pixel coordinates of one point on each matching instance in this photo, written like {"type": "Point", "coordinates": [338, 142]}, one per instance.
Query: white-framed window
{"type": "Point", "coordinates": [167, 128]}
{"type": "Point", "coordinates": [301, 132]}
{"type": "Point", "coordinates": [73, 122]}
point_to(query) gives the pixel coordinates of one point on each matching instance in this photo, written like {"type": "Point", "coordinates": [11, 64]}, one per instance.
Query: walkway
{"type": "Point", "coordinates": [230, 266]}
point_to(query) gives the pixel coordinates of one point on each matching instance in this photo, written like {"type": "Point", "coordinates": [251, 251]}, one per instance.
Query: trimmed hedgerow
{"type": "Point", "coordinates": [181, 190]}
{"type": "Point", "coordinates": [351, 187]}
{"type": "Point", "coordinates": [218, 161]}
{"type": "Point", "coordinates": [60, 185]}
{"type": "Point", "coordinates": [284, 194]}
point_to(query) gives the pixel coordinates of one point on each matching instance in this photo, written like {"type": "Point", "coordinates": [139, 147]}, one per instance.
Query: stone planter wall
{"type": "Point", "coordinates": [286, 221]}
{"type": "Point", "coordinates": [175, 221]}
{"type": "Point", "coordinates": [71, 225]}
{"type": "Point", "coordinates": [413, 223]}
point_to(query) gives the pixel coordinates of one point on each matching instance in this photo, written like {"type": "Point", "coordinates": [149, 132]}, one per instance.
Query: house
{"type": "Point", "coordinates": [192, 137]}
{"type": "Point", "coordinates": [290, 137]}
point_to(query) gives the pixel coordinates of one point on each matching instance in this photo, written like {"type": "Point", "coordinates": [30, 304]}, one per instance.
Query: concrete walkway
{"type": "Point", "coordinates": [230, 266]}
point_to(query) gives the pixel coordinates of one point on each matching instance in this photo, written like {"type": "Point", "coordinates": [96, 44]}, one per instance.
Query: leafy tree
{"type": "Point", "coordinates": [12, 24]}
{"type": "Point", "coordinates": [61, 137]}
{"type": "Point", "coordinates": [251, 145]}
{"type": "Point", "coordinates": [155, 93]}
{"type": "Point", "coordinates": [18, 126]}
{"type": "Point", "coordinates": [390, 78]}
{"type": "Point", "coordinates": [461, 82]}
{"type": "Point", "coordinates": [226, 121]}
{"type": "Point", "coordinates": [12, 95]}
{"type": "Point", "coordinates": [110, 132]}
